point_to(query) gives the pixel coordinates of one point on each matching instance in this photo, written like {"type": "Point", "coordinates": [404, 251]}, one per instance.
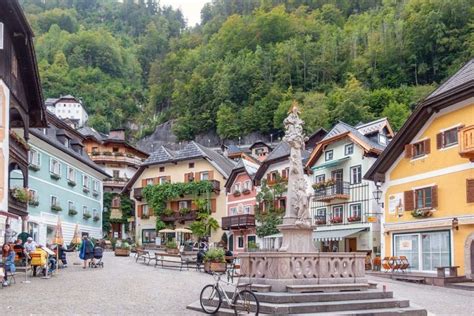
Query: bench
{"type": "Point", "coordinates": [453, 271]}
{"type": "Point", "coordinates": [166, 260]}
{"type": "Point", "coordinates": [143, 255]}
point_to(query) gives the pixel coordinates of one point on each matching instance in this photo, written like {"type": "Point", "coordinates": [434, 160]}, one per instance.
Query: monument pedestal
{"type": "Point", "coordinates": [296, 239]}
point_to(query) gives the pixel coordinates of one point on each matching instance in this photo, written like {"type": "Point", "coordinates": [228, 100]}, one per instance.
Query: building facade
{"type": "Point", "coordinates": [241, 202]}
{"type": "Point", "coordinates": [64, 183]}
{"type": "Point", "coordinates": [193, 163]}
{"type": "Point", "coordinates": [121, 160]}
{"type": "Point", "coordinates": [343, 208]}
{"type": "Point", "coordinates": [427, 177]}
{"type": "Point", "coordinates": [21, 107]}
{"type": "Point", "coordinates": [68, 107]}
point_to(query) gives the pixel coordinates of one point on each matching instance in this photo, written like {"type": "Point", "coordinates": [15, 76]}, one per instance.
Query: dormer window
{"type": "Point", "coordinates": [382, 139]}
{"type": "Point", "coordinates": [329, 155]}
{"type": "Point", "coordinates": [66, 142]}
{"type": "Point", "coordinates": [349, 149]}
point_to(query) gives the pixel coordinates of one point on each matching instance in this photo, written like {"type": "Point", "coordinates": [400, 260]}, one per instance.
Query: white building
{"type": "Point", "coordinates": [68, 107]}
{"type": "Point", "coordinates": [343, 208]}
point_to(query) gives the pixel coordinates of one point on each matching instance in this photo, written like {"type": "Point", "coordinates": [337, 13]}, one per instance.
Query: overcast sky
{"type": "Point", "coordinates": [191, 9]}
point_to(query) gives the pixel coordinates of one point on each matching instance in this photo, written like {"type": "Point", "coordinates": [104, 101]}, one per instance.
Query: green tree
{"type": "Point", "coordinates": [228, 122]}
{"type": "Point", "coordinates": [397, 114]}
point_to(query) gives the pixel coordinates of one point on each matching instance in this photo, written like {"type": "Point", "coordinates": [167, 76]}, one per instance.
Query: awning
{"type": "Point", "coordinates": [279, 235]}
{"type": "Point", "coordinates": [331, 163]}
{"type": "Point", "coordinates": [327, 235]}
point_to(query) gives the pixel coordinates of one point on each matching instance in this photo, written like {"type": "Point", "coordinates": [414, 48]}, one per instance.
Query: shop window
{"type": "Point", "coordinates": [148, 236]}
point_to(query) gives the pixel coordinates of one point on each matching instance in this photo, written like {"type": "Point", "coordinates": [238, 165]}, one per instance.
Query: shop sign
{"type": "Point", "coordinates": [405, 245]}
{"type": "Point", "coordinates": [372, 219]}
{"type": "Point", "coordinates": [395, 203]}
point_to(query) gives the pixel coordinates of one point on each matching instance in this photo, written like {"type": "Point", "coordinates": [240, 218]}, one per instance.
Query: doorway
{"type": "Point", "coordinates": [231, 242]}
{"type": "Point", "coordinates": [351, 244]}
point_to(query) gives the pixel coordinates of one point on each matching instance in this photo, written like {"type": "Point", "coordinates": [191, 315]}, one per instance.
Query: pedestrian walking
{"type": "Point", "coordinates": [86, 250]}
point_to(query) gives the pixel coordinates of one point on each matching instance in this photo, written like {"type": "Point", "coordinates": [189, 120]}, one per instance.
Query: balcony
{"type": "Point", "coordinates": [216, 186]}
{"type": "Point", "coordinates": [466, 142]}
{"type": "Point", "coordinates": [322, 220]}
{"type": "Point", "coordinates": [108, 156]}
{"type": "Point", "coordinates": [137, 194]}
{"type": "Point", "coordinates": [332, 191]}
{"type": "Point", "coordinates": [115, 182]}
{"type": "Point", "coordinates": [177, 216]}
{"type": "Point", "coordinates": [16, 204]}
{"type": "Point", "coordinates": [238, 221]}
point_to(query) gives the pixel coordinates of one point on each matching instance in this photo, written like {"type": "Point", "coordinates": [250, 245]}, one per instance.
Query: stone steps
{"type": "Point", "coordinates": [310, 288]}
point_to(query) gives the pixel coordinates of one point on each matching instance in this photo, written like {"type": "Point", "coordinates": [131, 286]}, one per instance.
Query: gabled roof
{"type": "Point", "coordinates": [340, 131]}
{"type": "Point", "coordinates": [191, 151]}
{"type": "Point", "coordinates": [243, 165]}
{"type": "Point", "coordinates": [259, 143]}
{"type": "Point", "coordinates": [234, 149]}
{"type": "Point", "coordinates": [455, 89]}
{"type": "Point", "coordinates": [375, 126]}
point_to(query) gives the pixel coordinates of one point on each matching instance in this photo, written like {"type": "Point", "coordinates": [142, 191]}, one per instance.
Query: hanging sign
{"type": "Point", "coordinates": [372, 219]}
{"type": "Point", "coordinates": [395, 203]}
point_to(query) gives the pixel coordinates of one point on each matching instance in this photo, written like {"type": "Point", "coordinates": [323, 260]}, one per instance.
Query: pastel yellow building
{"type": "Point", "coordinates": [193, 163]}
{"type": "Point", "coordinates": [427, 178]}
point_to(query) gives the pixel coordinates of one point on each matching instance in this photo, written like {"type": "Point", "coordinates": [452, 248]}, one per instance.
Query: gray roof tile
{"type": "Point", "coordinates": [464, 75]}
{"type": "Point", "coordinates": [342, 127]}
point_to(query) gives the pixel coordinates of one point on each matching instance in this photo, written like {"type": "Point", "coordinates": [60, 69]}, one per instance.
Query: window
{"type": "Point", "coordinates": [66, 142]}
{"type": "Point", "coordinates": [115, 149]}
{"type": "Point", "coordinates": [382, 139]}
{"type": "Point", "coordinates": [95, 149]}
{"type": "Point", "coordinates": [95, 185]}
{"type": "Point", "coordinates": [84, 210]}
{"type": "Point", "coordinates": [337, 211]}
{"type": "Point", "coordinates": [95, 213]}
{"type": "Point", "coordinates": [355, 211]}
{"type": "Point", "coordinates": [246, 185]}
{"type": "Point", "coordinates": [447, 138]}
{"type": "Point", "coordinates": [116, 174]}
{"type": "Point", "coordinates": [116, 201]}
{"type": "Point", "coordinates": [320, 216]}
{"type": "Point", "coordinates": [240, 242]}
{"type": "Point", "coordinates": [33, 230]}
{"type": "Point", "coordinates": [319, 178]}
{"type": "Point", "coordinates": [251, 239]}
{"type": "Point", "coordinates": [424, 198]}
{"type": "Point", "coordinates": [282, 203]}
{"type": "Point", "coordinates": [54, 167]}
{"type": "Point", "coordinates": [183, 204]}
{"type": "Point", "coordinates": [54, 201]}
{"type": "Point", "coordinates": [85, 181]}
{"type": "Point", "coordinates": [237, 187]}
{"type": "Point", "coordinates": [349, 149]}
{"type": "Point", "coordinates": [204, 176]}
{"type": "Point", "coordinates": [418, 149]}
{"type": "Point", "coordinates": [356, 174]}
{"type": "Point", "coordinates": [70, 205]}
{"type": "Point", "coordinates": [71, 175]}
{"type": "Point", "coordinates": [329, 155]}
{"type": "Point", "coordinates": [162, 169]}
{"type": "Point", "coordinates": [191, 165]}
{"type": "Point", "coordinates": [247, 209]}
{"type": "Point", "coordinates": [148, 236]}
{"type": "Point", "coordinates": [163, 180]}
{"type": "Point", "coordinates": [34, 157]}
{"type": "Point", "coordinates": [145, 211]}
{"type": "Point", "coordinates": [149, 181]}
{"type": "Point", "coordinates": [233, 211]}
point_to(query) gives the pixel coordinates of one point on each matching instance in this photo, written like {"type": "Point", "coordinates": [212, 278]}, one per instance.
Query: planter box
{"type": "Point", "coordinates": [217, 266]}
{"type": "Point", "coordinates": [122, 252]}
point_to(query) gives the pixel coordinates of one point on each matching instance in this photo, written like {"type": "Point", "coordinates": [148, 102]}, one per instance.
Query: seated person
{"type": "Point", "coordinates": [20, 250]}
{"type": "Point", "coordinates": [8, 255]}
{"type": "Point", "coordinates": [30, 245]}
{"type": "Point", "coordinates": [228, 253]}
{"type": "Point", "coordinates": [51, 258]}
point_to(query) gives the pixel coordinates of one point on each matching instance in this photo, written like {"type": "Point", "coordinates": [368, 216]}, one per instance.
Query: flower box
{"type": "Point", "coordinates": [336, 220]}
{"type": "Point", "coordinates": [71, 183]}
{"type": "Point", "coordinates": [95, 193]}
{"type": "Point", "coordinates": [320, 222]}
{"type": "Point", "coordinates": [130, 155]}
{"type": "Point", "coordinates": [119, 252]}
{"type": "Point", "coordinates": [172, 251]}
{"type": "Point", "coordinates": [56, 208]}
{"type": "Point", "coordinates": [422, 213]}
{"type": "Point", "coordinates": [107, 153]}
{"type": "Point", "coordinates": [353, 219]}
{"type": "Point", "coordinates": [86, 189]}
{"type": "Point", "coordinates": [246, 191]}
{"type": "Point", "coordinates": [118, 154]}
{"type": "Point", "coordinates": [20, 194]}
{"type": "Point", "coordinates": [95, 153]}
{"type": "Point", "coordinates": [33, 202]}
{"type": "Point", "coordinates": [217, 266]}
{"type": "Point", "coordinates": [55, 176]}
{"type": "Point", "coordinates": [236, 193]}
{"type": "Point", "coordinates": [86, 216]}
{"type": "Point", "coordinates": [72, 212]}
{"type": "Point", "coordinates": [96, 218]}
{"type": "Point", "coordinates": [33, 167]}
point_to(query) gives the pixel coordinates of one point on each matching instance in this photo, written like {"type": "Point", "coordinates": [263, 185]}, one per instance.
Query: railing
{"type": "Point", "coordinates": [466, 142]}
{"type": "Point", "coordinates": [116, 182]}
{"type": "Point", "coordinates": [216, 185]}
{"type": "Point", "coordinates": [177, 216]}
{"type": "Point", "coordinates": [19, 148]}
{"type": "Point", "coordinates": [238, 221]}
{"type": "Point", "coordinates": [114, 157]}
{"type": "Point", "coordinates": [337, 190]}
{"type": "Point", "coordinates": [137, 193]}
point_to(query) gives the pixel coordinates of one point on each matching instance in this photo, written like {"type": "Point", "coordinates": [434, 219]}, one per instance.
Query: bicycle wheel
{"type": "Point", "coordinates": [246, 303]}
{"type": "Point", "coordinates": [210, 299]}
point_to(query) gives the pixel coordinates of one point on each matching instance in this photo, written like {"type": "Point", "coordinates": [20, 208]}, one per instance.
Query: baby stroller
{"type": "Point", "coordinates": [98, 254]}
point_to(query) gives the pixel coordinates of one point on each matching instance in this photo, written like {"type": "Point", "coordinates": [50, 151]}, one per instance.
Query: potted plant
{"type": "Point", "coordinates": [320, 221]}
{"type": "Point", "coordinates": [95, 153]}
{"type": "Point", "coordinates": [422, 213]}
{"type": "Point", "coordinates": [96, 218]}
{"type": "Point", "coordinates": [72, 211]}
{"type": "Point", "coordinates": [95, 193]}
{"type": "Point", "coordinates": [33, 200]}
{"type": "Point", "coordinates": [214, 260]}
{"type": "Point", "coordinates": [71, 183]}
{"type": "Point", "coordinates": [55, 176]}
{"type": "Point", "coordinates": [184, 211]}
{"type": "Point", "coordinates": [122, 249]}
{"type": "Point", "coordinates": [236, 193]}
{"type": "Point", "coordinates": [107, 153]}
{"type": "Point", "coordinates": [86, 216]}
{"type": "Point", "coordinates": [85, 189]}
{"type": "Point", "coordinates": [20, 194]}
{"type": "Point", "coordinates": [319, 185]}
{"type": "Point", "coordinates": [353, 219]}
{"type": "Point", "coordinates": [129, 155]}
{"type": "Point", "coordinates": [336, 220]}
{"type": "Point", "coordinates": [172, 247]}
{"type": "Point", "coordinates": [56, 208]}
{"type": "Point", "coordinates": [118, 154]}
{"type": "Point", "coordinates": [245, 191]}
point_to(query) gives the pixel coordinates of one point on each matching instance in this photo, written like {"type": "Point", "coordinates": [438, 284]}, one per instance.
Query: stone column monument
{"type": "Point", "coordinates": [297, 262]}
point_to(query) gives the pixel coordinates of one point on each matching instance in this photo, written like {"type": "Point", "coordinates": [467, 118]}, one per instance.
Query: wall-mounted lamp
{"type": "Point", "coordinates": [455, 223]}
{"type": "Point", "coordinates": [377, 193]}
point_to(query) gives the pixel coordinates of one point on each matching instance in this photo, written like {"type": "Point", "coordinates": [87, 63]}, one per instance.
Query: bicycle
{"type": "Point", "coordinates": [241, 301]}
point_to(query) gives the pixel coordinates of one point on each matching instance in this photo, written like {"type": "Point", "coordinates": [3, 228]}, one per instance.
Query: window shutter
{"type": "Point", "coordinates": [197, 176]}
{"type": "Point", "coordinates": [156, 180]}
{"type": "Point", "coordinates": [213, 206]}
{"type": "Point", "coordinates": [409, 200]}
{"type": "Point", "coordinates": [168, 179]}
{"type": "Point", "coordinates": [186, 177]}
{"type": "Point", "coordinates": [439, 140]}
{"type": "Point", "coordinates": [140, 211]}
{"type": "Point", "coordinates": [143, 183]}
{"type": "Point", "coordinates": [211, 175]}
{"type": "Point", "coordinates": [470, 190]}
{"type": "Point", "coordinates": [283, 174]}
{"type": "Point", "coordinates": [268, 177]}
{"type": "Point", "coordinates": [408, 150]}
{"type": "Point", "coordinates": [193, 205]}
{"type": "Point", "coordinates": [434, 196]}
{"type": "Point", "coordinates": [174, 205]}
{"type": "Point", "coordinates": [427, 146]}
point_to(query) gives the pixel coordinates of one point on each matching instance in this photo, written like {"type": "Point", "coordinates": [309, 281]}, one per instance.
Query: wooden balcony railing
{"type": "Point", "coordinates": [99, 157]}
{"type": "Point", "coordinates": [137, 194]}
{"type": "Point", "coordinates": [177, 216]}
{"type": "Point", "coordinates": [337, 190]}
{"type": "Point", "coordinates": [466, 142]}
{"type": "Point", "coordinates": [238, 221]}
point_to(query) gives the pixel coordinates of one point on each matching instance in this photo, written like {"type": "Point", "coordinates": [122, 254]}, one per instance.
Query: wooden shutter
{"type": "Point", "coordinates": [168, 179]}
{"type": "Point", "coordinates": [143, 183]}
{"type": "Point", "coordinates": [174, 205]}
{"type": "Point", "coordinates": [139, 211]}
{"type": "Point", "coordinates": [186, 177]}
{"type": "Point", "coordinates": [283, 174]}
{"type": "Point", "coordinates": [193, 206]}
{"type": "Point", "coordinates": [409, 200]}
{"type": "Point", "coordinates": [427, 146]}
{"type": "Point", "coordinates": [268, 177]}
{"type": "Point", "coordinates": [213, 206]}
{"type": "Point", "coordinates": [211, 175]}
{"type": "Point", "coordinates": [470, 190]}
{"type": "Point", "coordinates": [439, 140]}
{"type": "Point", "coordinates": [156, 180]}
{"type": "Point", "coordinates": [197, 176]}
{"type": "Point", "coordinates": [408, 150]}
{"type": "Point", "coordinates": [434, 196]}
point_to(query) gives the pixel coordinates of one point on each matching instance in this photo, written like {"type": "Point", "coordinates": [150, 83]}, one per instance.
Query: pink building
{"type": "Point", "coordinates": [241, 200]}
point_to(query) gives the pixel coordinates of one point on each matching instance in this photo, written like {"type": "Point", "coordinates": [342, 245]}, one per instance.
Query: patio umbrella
{"type": "Point", "coordinates": [59, 241]}
{"type": "Point", "coordinates": [183, 230]}
{"type": "Point", "coordinates": [166, 230]}
{"type": "Point", "coordinates": [76, 239]}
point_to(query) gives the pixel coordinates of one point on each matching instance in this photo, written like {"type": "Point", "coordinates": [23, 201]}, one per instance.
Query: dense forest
{"type": "Point", "coordinates": [138, 64]}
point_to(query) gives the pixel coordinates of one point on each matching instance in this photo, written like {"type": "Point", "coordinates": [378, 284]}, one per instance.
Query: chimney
{"type": "Point", "coordinates": [118, 133]}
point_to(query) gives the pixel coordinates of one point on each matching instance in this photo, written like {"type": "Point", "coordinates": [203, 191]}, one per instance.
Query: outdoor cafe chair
{"type": "Point", "coordinates": [404, 263]}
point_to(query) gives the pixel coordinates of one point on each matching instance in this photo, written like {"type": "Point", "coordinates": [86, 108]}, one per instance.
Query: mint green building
{"type": "Point", "coordinates": [64, 183]}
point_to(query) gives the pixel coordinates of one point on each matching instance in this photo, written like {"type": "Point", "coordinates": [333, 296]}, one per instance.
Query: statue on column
{"type": "Point", "coordinates": [297, 210]}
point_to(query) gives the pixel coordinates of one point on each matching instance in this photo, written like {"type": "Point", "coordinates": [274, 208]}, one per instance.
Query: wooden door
{"type": "Point", "coordinates": [351, 244]}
